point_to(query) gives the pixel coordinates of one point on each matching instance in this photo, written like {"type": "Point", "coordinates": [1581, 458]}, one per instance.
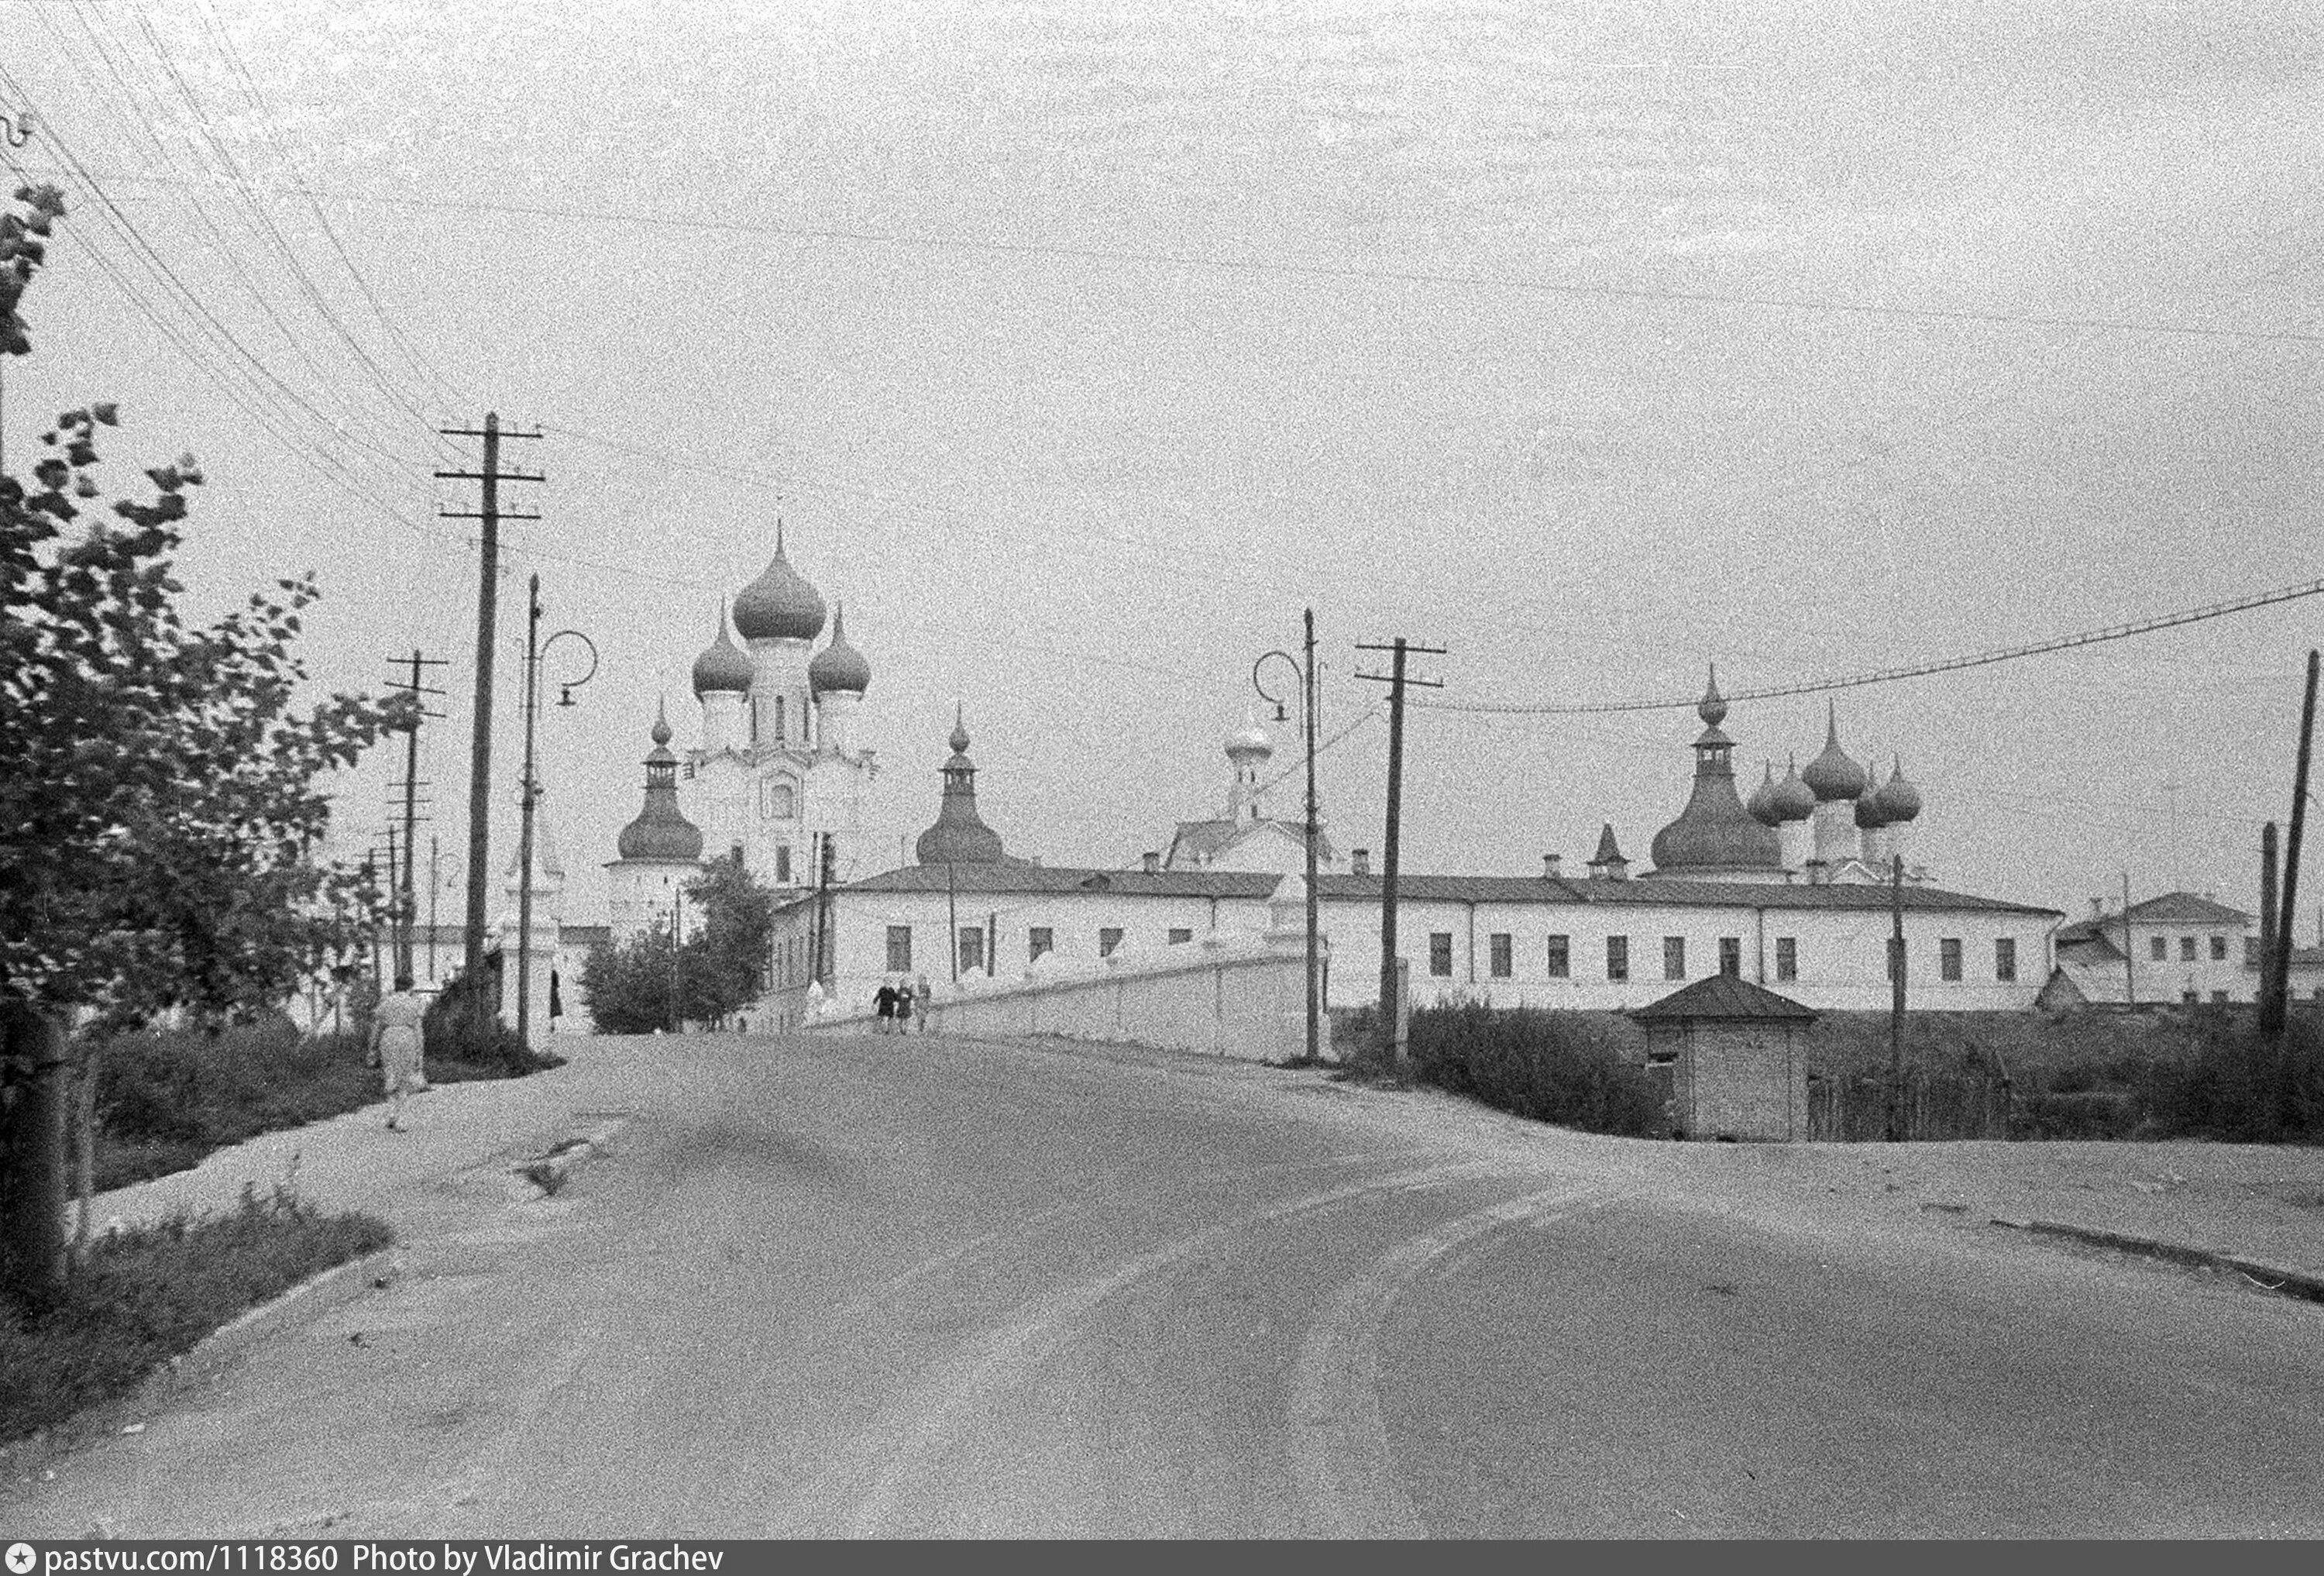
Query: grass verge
{"type": "Point", "coordinates": [145, 1295]}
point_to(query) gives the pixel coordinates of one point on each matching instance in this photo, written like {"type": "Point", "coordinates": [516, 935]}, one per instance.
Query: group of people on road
{"type": "Point", "coordinates": [898, 1001]}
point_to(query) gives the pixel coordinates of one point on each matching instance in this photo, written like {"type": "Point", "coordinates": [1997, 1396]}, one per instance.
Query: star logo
{"type": "Point", "coordinates": [21, 1559]}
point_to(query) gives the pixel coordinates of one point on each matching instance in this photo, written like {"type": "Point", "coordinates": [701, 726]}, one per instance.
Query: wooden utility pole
{"type": "Point", "coordinates": [480, 752]}
{"type": "Point", "coordinates": [1390, 1003]}
{"type": "Point", "coordinates": [1896, 1122]}
{"type": "Point", "coordinates": [407, 908]}
{"type": "Point", "coordinates": [2129, 960]}
{"type": "Point", "coordinates": [2270, 917]}
{"type": "Point", "coordinates": [1314, 831]}
{"type": "Point", "coordinates": [2277, 982]}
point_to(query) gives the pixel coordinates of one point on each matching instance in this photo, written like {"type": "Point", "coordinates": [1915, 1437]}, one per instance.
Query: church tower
{"type": "Point", "coordinates": [661, 851]}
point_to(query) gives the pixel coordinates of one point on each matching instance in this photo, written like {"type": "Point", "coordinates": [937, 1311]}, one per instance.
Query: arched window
{"type": "Point", "coordinates": [777, 801]}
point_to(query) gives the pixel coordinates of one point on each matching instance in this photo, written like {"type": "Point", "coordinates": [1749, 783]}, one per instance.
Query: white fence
{"type": "Point", "coordinates": [1230, 994]}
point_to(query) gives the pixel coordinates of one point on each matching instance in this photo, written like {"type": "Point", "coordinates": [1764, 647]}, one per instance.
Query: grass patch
{"type": "Point", "coordinates": [166, 1099]}
{"type": "Point", "coordinates": [1575, 1069]}
{"type": "Point", "coordinates": [146, 1295]}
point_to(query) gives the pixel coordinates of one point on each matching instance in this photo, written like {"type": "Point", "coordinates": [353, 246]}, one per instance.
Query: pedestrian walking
{"type": "Point", "coordinates": [399, 1044]}
{"type": "Point", "coordinates": [920, 996]}
{"type": "Point", "coordinates": [883, 1002]}
{"type": "Point", "coordinates": [903, 1009]}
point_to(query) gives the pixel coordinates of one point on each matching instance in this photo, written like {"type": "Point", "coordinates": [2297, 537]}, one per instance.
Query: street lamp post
{"type": "Point", "coordinates": [535, 650]}
{"type": "Point", "coordinates": [1307, 698]}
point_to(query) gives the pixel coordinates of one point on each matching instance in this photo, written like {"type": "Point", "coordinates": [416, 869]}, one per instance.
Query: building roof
{"type": "Point", "coordinates": [2185, 909]}
{"type": "Point", "coordinates": [1036, 880]}
{"type": "Point", "coordinates": [1196, 843]}
{"type": "Point", "coordinates": [1724, 996]}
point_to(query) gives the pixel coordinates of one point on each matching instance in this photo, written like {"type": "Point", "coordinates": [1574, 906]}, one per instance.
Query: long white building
{"type": "Point", "coordinates": [1789, 890]}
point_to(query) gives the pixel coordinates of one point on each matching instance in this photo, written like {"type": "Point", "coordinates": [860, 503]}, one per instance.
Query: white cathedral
{"type": "Point", "coordinates": [777, 780]}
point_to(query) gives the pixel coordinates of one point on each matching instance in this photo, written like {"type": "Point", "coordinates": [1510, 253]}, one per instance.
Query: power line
{"type": "Point", "coordinates": [2122, 632]}
{"type": "Point", "coordinates": [661, 219]}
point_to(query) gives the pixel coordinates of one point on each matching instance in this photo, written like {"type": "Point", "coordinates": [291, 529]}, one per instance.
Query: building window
{"type": "Point", "coordinates": [2219, 948]}
{"type": "Point", "coordinates": [782, 861]}
{"type": "Point", "coordinates": [1179, 933]}
{"type": "Point", "coordinates": [1674, 957]}
{"type": "Point", "coordinates": [1787, 957]}
{"type": "Point", "coordinates": [971, 949]}
{"type": "Point", "coordinates": [2005, 958]}
{"type": "Point", "coordinates": [1560, 957]}
{"type": "Point", "coordinates": [2189, 996]}
{"type": "Point", "coordinates": [1440, 953]}
{"type": "Point", "coordinates": [2218, 995]}
{"type": "Point", "coordinates": [1731, 956]}
{"type": "Point", "coordinates": [778, 719]}
{"type": "Point", "coordinates": [1040, 941]}
{"type": "Point", "coordinates": [900, 949]}
{"type": "Point", "coordinates": [2186, 949]}
{"type": "Point", "coordinates": [1109, 938]}
{"type": "Point", "coordinates": [1948, 957]}
{"type": "Point", "coordinates": [2159, 948]}
{"type": "Point", "coordinates": [1617, 957]}
{"type": "Point", "coordinates": [1503, 965]}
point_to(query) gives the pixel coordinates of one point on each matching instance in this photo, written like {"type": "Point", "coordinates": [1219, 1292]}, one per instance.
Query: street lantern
{"type": "Point", "coordinates": [1308, 696]}
{"type": "Point", "coordinates": [536, 650]}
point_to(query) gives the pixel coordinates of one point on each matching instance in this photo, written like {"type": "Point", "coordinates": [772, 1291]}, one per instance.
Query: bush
{"type": "Point", "coordinates": [145, 1295]}
{"type": "Point", "coordinates": [1562, 1067]}
{"type": "Point", "coordinates": [2230, 1084]}
{"type": "Point", "coordinates": [2080, 1113]}
{"type": "Point", "coordinates": [466, 1039]}
{"type": "Point", "coordinates": [165, 1098]}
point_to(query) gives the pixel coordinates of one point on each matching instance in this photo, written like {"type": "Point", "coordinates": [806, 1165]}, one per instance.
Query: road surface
{"type": "Point", "coordinates": [851, 1285]}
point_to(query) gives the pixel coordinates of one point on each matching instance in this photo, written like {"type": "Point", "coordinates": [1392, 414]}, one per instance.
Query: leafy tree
{"type": "Point", "coordinates": [160, 845]}
{"type": "Point", "coordinates": [629, 985]}
{"type": "Point", "coordinates": [721, 967]}
{"type": "Point", "coordinates": [728, 962]}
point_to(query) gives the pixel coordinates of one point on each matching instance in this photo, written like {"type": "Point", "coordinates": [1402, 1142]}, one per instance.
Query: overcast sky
{"type": "Point", "coordinates": [1082, 345]}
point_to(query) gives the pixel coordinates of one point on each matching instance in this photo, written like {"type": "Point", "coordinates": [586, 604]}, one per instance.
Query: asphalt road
{"type": "Point", "coordinates": [849, 1287]}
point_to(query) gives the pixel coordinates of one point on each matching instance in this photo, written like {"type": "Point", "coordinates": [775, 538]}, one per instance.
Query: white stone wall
{"type": "Point", "coordinates": [1228, 996]}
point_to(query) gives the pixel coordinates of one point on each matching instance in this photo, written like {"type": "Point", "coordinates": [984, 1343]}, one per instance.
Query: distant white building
{"type": "Point", "coordinates": [2177, 948]}
{"type": "Point", "coordinates": [1732, 891]}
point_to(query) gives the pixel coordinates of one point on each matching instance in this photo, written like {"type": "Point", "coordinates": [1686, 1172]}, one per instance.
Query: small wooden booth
{"type": "Point", "coordinates": [1735, 1056]}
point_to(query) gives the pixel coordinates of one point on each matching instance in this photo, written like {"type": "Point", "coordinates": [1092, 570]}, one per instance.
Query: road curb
{"type": "Point", "coordinates": [2269, 1277]}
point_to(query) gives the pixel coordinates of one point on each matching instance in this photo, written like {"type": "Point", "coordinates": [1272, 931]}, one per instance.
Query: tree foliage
{"type": "Point", "coordinates": [719, 968]}
{"type": "Point", "coordinates": [161, 840]}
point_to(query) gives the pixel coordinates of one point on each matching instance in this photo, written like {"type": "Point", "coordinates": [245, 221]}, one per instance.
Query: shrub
{"type": "Point", "coordinates": [466, 1039]}
{"type": "Point", "coordinates": [2080, 1113]}
{"type": "Point", "coordinates": [1562, 1067]}
{"type": "Point", "coordinates": [145, 1295]}
{"type": "Point", "coordinates": [2229, 1083]}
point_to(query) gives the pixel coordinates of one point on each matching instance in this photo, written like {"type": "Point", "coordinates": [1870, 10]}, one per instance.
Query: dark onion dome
{"type": "Point", "coordinates": [839, 666]}
{"type": "Point", "coordinates": [724, 668]}
{"type": "Point", "coordinates": [1832, 775]}
{"type": "Point", "coordinates": [1715, 831]}
{"type": "Point", "coordinates": [1899, 799]}
{"type": "Point", "coordinates": [1762, 802]}
{"type": "Point", "coordinates": [1794, 800]}
{"type": "Point", "coordinates": [661, 831]}
{"type": "Point", "coordinates": [780, 605]}
{"type": "Point", "coordinates": [960, 835]}
{"type": "Point", "coordinates": [1870, 812]}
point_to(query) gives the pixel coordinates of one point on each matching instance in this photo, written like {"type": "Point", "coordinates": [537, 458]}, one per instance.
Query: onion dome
{"type": "Point", "coordinates": [1716, 834]}
{"type": "Point", "coordinates": [839, 666]}
{"type": "Point", "coordinates": [1832, 775]}
{"type": "Point", "coordinates": [723, 668]}
{"type": "Point", "coordinates": [780, 605]}
{"type": "Point", "coordinates": [1899, 799]}
{"type": "Point", "coordinates": [960, 835]}
{"type": "Point", "coordinates": [1870, 812]}
{"type": "Point", "coordinates": [1250, 739]}
{"type": "Point", "coordinates": [661, 832]}
{"type": "Point", "coordinates": [1793, 799]}
{"type": "Point", "coordinates": [1712, 707]}
{"type": "Point", "coordinates": [1762, 802]}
